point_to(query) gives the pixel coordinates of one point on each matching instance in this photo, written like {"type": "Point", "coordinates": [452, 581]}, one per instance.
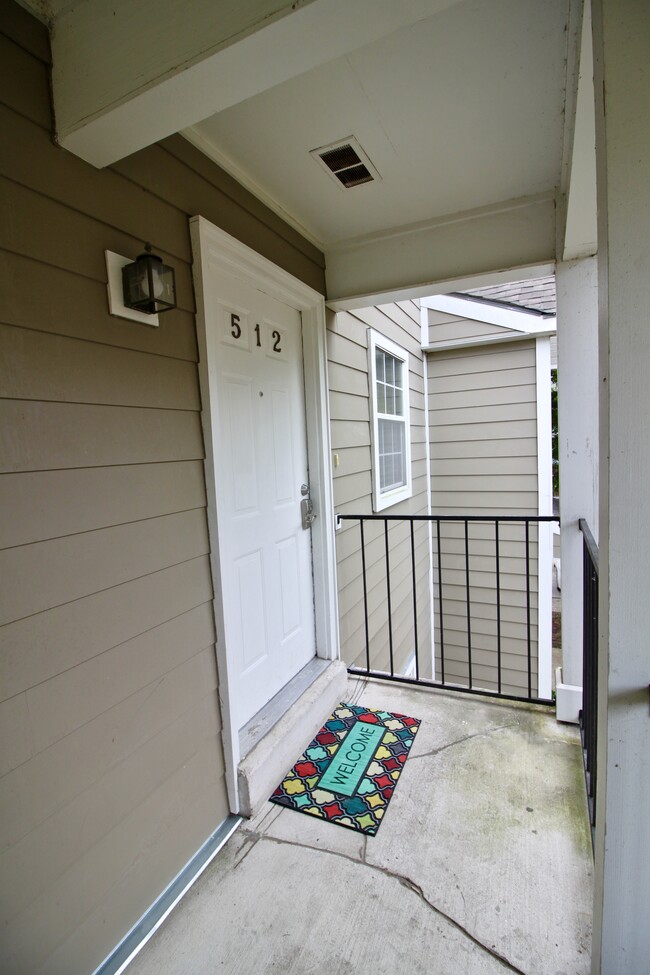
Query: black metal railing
{"type": "Point", "coordinates": [589, 711]}
{"type": "Point", "coordinates": [484, 644]}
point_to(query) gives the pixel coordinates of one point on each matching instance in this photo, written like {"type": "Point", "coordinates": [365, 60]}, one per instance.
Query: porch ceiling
{"type": "Point", "coordinates": [464, 107]}
{"type": "Point", "coordinates": [459, 110]}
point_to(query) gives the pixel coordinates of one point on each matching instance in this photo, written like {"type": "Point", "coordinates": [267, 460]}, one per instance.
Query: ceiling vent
{"type": "Point", "coordinates": [346, 162]}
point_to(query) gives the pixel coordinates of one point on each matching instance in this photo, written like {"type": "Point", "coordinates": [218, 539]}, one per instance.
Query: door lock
{"type": "Point", "coordinates": [307, 513]}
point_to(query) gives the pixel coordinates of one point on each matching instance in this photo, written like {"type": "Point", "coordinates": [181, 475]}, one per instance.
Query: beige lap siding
{"type": "Point", "coordinates": [483, 431]}
{"type": "Point", "coordinates": [350, 432]}
{"type": "Point", "coordinates": [111, 763]}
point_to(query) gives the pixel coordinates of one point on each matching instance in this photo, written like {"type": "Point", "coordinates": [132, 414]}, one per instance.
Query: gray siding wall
{"type": "Point", "coordinates": [483, 430]}
{"type": "Point", "coordinates": [110, 751]}
{"type": "Point", "coordinates": [350, 433]}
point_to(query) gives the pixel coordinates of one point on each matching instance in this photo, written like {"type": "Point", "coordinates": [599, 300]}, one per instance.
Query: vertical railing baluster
{"type": "Point", "coordinates": [442, 626]}
{"type": "Point", "coordinates": [528, 641]}
{"type": "Point", "coordinates": [390, 612]}
{"type": "Point", "coordinates": [365, 593]}
{"type": "Point", "coordinates": [469, 610]}
{"type": "Point", "coordinates": [498, 581]}
{"type": "Point", "coordinates": [415, 605]}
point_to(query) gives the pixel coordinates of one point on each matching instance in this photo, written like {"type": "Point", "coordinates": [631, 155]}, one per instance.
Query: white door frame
{"type": "Point", "coordinates": [215, 250]}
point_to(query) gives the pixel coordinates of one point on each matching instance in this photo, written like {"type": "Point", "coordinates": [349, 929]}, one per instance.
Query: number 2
{"type": "Point", "coordinates": [276, 341]}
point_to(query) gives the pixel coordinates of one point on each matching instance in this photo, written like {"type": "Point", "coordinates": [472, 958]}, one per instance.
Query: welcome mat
{"type": "Point", "coordinates": [348, 773]}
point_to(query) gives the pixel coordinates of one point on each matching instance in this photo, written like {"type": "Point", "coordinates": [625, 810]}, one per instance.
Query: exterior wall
{"type": "Point", "coordinates": [112, 766]}
{"type": "Point", "coordinates": [350, 440]}
{"type": "Point", "coordinates": [483, 433]}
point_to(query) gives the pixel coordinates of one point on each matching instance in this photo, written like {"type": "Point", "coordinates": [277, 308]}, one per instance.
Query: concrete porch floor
{"type": "Point", "coordinates": [481, 866]}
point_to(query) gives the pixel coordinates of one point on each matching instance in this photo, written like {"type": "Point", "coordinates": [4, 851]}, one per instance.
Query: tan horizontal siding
{"type": "Point", "coordinates": [25, 281]}
{"type": "Point", "coordinates": [37, 648]}
{"type": "Point", "coordinates": [483, 429]}
{"type": "Point", "coordinates": [484, 358]}
{"type": "Point", "coordinates": [111, 763]}
{"type": "Point", "coordinates": [48, 504]}
{"type": "Point", "coordinates": [24, 78]}
{"type": "Point", "coordinates": [350, 436]}
{"type": "Point", "coordinates": [487, 448]}
{"type": "Point", "coordinates": [53, 436]}
{"type": "Point", "coordinates": [52, 368]}
{"type": "Point", "coordinates": [486, 466]}
{"type": "Point", "coordinates": [462, 328]}
{"type": "Point", "coordinates": [343, 379]}
{"type": "Point", "coordinates": [348, 406]}
{"type": "Point", "coordinates": [92, 814]}
{"type": "Point", "coordinates": [75, 241]}
{"type": "Point", "coordinates": [478, 428]}
{"type": "Point", "coordinates": [463, 399]}
{"type": "Point", "coordinates": [120, 854]}
{"type": "Point", "coordinates": [71, 699]}
{"type": "Point", "coordinates": [493, 500]}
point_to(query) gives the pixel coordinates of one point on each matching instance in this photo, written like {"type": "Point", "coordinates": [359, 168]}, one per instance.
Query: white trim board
{"type": "Point", "coordinates": [381, 501]}
{"type": "Point", "coordinates": [477, 340]}
{"type": "Point", "coordinates": [528, 322]}
{"type": "Point", "coordinates": [212, 248]}
{"type": "Point", "coordinates": [424, 326]}
{"type": "Point", "coordinates": [442, 286]}
{"type": "Point", "coordinates": [545, 507]}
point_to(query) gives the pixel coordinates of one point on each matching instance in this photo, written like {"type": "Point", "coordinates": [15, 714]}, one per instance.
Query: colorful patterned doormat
{"type": "Point", "coordinates": [349, 771]}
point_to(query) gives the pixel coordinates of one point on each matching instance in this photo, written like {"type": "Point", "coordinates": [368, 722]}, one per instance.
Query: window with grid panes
{"type": "Point", "coordinates": [388, 364]}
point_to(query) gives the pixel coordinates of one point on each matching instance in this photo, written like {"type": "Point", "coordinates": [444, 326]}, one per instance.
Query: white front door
{"type": "Point", "coordinates": [261, 475]}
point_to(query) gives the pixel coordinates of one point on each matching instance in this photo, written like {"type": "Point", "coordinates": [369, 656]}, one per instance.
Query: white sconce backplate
{"type": "Point", "coordinates": [116, 306]}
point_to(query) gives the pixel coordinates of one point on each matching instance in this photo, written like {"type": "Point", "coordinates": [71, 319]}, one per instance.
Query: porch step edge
{"type": "Point", "coordinates": [261, 770]}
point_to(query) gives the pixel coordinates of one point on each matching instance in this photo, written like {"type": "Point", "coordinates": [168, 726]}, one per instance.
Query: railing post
{"type": "Point", "coordinates": [588, 714]}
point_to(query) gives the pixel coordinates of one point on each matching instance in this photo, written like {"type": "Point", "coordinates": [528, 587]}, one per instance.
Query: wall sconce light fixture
{"type": "Point", "coordinates": [149, 285]}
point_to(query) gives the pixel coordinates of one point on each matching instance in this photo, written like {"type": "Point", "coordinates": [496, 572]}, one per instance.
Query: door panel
{"type": "Point", "coordinates": [264, 553]}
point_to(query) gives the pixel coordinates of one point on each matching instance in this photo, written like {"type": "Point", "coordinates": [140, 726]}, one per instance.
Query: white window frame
{"type": "Point", "coordinates": [382, 500]}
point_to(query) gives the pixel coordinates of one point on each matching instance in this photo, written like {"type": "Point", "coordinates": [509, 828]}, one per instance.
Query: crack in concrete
{"type": "Point", "coordinates": [459, 741]}
{"type": "Point", "coordinates": [251, 840]}
{"type": "Point", "coordinates": [408, 884]}
{"type": "Point", "coordinates": [411, 885]}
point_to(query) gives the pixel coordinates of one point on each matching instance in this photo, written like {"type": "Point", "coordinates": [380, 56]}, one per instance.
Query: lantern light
{"type": "Point", "coordinates": [149, 285]}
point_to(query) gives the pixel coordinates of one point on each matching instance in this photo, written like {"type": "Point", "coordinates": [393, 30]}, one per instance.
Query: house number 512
{"type": "Point", "coordinates": [236, 332]}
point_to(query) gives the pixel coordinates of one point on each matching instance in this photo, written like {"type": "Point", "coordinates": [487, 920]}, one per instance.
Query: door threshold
{"type": "Point", "coordinates": [262, 722]}
{"type": "Point", "coordinates": [314, 694]}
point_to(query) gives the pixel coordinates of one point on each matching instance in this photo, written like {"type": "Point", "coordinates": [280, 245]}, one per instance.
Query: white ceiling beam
{"type": "Point", "coordinates": [412, 261]}
{"type": "Point", "coordinates": [180, 62]}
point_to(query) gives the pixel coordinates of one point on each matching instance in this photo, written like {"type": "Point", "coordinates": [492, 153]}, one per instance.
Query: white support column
{"type": "Point", "coordinates": [577, 358]}
{"type": "Point", "coordinates": [544, 507]}
{"type": "Point", "coordinates": [621, 942]}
